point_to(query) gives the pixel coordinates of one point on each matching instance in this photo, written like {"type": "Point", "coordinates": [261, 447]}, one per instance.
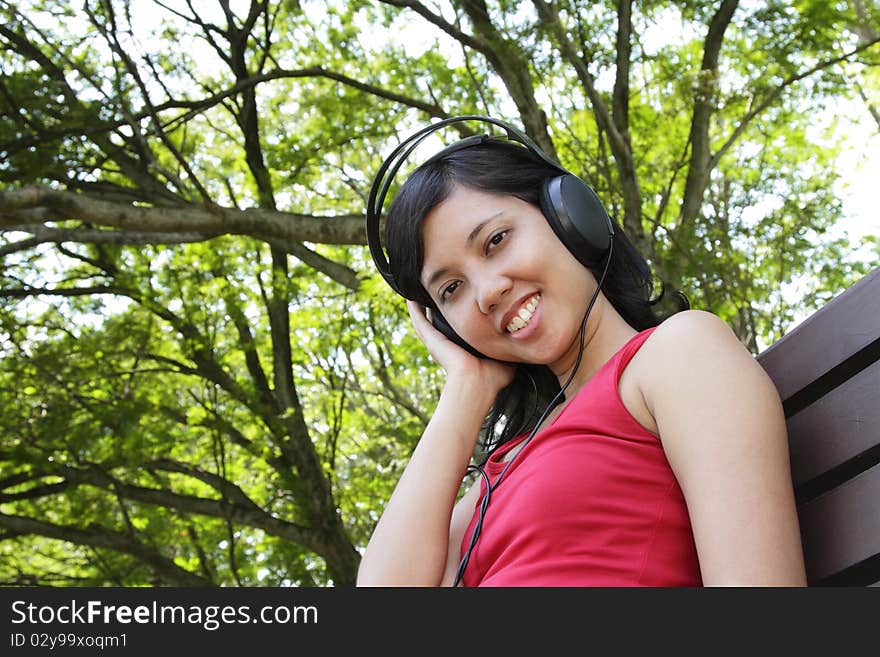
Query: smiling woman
{"type": "Point", "coordinates": [611, 436]}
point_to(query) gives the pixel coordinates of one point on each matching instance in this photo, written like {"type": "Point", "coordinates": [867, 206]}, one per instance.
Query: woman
{"type": "Point", "coordinates": [622, 450]}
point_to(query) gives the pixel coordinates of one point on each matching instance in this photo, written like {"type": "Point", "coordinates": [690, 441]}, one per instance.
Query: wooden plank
{"type": "Point", "coordinates": [840, 426]}
{"type": "Point", "coordinates": [842, 527]}
{"type": "Point", "coordinates": [845, 325]}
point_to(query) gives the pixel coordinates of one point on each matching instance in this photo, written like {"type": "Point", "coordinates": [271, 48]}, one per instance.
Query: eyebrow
{"type": "Point", "coordinates": [470, 240]}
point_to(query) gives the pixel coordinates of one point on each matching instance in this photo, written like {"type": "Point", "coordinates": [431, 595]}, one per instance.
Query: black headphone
{"type": "Point", "coordinates": [570, 206]}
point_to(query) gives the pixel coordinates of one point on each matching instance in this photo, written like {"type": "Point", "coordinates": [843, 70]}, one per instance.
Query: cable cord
{"type": "Point", "coordinates": [484, 504]}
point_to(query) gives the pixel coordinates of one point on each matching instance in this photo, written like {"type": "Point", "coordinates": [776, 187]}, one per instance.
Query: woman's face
{"type": "Point", "coordinates": [503, 280]}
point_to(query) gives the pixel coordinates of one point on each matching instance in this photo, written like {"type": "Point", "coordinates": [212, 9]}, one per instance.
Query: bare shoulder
{"type": "Point", "coordinates": [671, 357]}
{"type": "Point", "coordinates": [695, 357]}
{"type": "Point", "coordinates": [691, 354]}
{"type": "Point", "coordinates": [692, 342]}
{"type": "Point", "coordinates": [691, 331]}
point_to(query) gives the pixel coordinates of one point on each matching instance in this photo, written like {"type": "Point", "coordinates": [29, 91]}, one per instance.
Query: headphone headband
{"type": "Point", "coordinates": [385, 176]}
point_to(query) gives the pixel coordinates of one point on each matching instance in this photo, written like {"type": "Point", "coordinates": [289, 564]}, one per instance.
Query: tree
{"type": "Point", "coordinates": [204, 382]}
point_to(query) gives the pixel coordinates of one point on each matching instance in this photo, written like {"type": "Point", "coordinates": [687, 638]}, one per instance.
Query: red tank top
{"type": "Point", "coordinates": [590, 501]}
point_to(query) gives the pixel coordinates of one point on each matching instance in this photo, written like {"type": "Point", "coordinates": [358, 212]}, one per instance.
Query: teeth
{"type": "Point", "coordinates": [524, 315]}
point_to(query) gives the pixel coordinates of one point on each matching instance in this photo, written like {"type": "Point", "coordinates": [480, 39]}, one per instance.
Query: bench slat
{"type": "Point", "coordinates": [841, 529]}
{"type": "Point", "coordinates": [838, 427]}
{"type": "Point", "coordinates": [844, 326]}
{"type": "Point", "coordinates": [827, 372]}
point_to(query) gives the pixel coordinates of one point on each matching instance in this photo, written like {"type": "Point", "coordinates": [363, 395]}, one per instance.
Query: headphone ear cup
{"type": "Point", "coordinates": [443, 326]}
{"type": "Point", "coordinates": [577, 216]}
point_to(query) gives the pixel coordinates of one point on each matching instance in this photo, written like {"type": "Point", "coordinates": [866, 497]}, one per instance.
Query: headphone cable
{"type": "Point", "coordinates": [484, 503]}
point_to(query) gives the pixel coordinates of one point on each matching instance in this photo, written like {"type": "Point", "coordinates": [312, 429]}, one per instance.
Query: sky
{"type": "Point", "coordinates": [859, 166]}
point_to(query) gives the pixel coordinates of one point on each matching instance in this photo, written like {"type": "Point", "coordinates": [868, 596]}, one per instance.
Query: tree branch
{"type": "Point", "coordinates": [605, 119]}
{"type": "Point", "coordinates": [249, 347]}
{"type": "Point", "coordinates": [45, 235]}
{"type": "Point", "coordinates": [25, 292]}
{"type": "Point", "coordinates": [704, 106]}
{"type": "Point", "coordinates": [768, 100]}
{"type": "Point", "coordinates": [514, 68]}
{"type": "Point", "coordinates": [620, 97]}
{"type": "Point", "coordinates": [187, 219]}
{"type": "Point", "coordinates": [343, 275]}
{"type": "Point", "coordinates": [435, 19]}
{"type": "Point", "coordinates": [133, 169]}
{"type": "Point", "coordinates": [340, 273]}
{"type": "Point", "coordinates": [103, 538]}
{"type": "Point", "coordinates": [195, 107]}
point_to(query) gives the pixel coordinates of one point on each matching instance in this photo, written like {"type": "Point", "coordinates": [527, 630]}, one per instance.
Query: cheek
{"type": "Point", "coordinates": [474, 328]}
{"type": "Point", "coordinates": [461, 321]}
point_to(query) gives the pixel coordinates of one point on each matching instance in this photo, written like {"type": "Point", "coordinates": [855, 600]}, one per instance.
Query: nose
{"type": "Point", "coordinates": [490, 291]}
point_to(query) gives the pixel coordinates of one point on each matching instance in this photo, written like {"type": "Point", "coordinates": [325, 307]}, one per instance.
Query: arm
{"type": "Point", "coordinates": [721, 424]}
{"type": "Point", "coordinates": [415, 539]}
{"type": "Point", "coordinates": [410, 545]}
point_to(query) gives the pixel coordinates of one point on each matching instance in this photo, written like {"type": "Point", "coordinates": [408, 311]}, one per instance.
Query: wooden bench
{"type": "Point", "coordinates": [827, 371]}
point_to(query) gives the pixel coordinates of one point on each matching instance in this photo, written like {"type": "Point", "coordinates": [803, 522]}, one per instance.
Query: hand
{"type": "Point", "coordinates": [454, 360]}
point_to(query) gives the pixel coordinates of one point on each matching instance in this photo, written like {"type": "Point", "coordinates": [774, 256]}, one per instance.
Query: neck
{"type": "Point", "coordinates": [605, 333]}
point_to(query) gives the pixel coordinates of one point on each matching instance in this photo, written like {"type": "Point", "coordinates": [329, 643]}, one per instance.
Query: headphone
{"type": "Point", "coordinates": [570, 206]}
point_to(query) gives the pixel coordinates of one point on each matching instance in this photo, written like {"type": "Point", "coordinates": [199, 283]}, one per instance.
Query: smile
{"type": "Point", "coordinates": [524, 315]}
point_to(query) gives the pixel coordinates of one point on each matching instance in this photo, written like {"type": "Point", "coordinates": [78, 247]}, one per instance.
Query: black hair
{"type": "Point", "coordinates": [503, 167]}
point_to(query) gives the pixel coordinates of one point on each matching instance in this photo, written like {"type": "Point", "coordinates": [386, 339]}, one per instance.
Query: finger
{"type": "Point", "coordinates": [417, 313]}
{"type": "Point", "coordinates": [413, 308]}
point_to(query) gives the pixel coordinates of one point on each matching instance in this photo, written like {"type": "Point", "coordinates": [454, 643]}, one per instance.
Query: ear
{"type": "Point", "coordinates": [577, 216]}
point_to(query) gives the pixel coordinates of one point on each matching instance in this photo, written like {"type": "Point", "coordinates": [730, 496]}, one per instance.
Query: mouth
{"type": "Point", "coordinates": [524, 314]}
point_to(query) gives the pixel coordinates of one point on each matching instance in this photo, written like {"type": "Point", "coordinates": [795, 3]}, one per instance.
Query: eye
{"type": "Point", "coordinates": [496, 240]}
{"type": "Point", "coordinates": [449, 290]}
